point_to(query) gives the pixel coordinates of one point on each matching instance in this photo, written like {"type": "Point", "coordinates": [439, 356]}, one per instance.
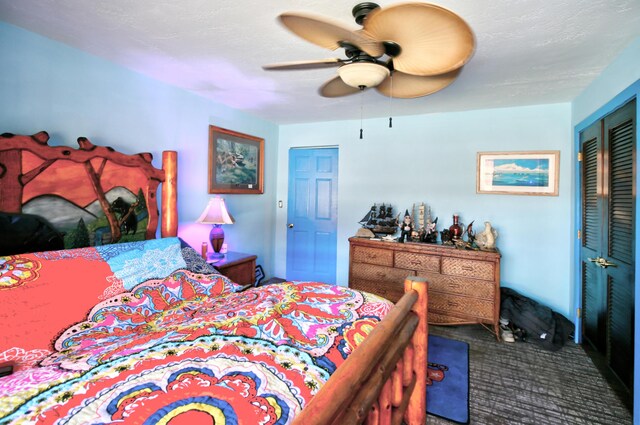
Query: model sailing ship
{"type": "Point", "coordinates": [380, 220]}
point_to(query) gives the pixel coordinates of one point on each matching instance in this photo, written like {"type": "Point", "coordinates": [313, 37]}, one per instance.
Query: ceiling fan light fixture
{"type": "Point", "coordinates": [363, 74]}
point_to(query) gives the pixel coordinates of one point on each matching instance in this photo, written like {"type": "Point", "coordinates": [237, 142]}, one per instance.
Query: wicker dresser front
{"type": "Point", "coordinates": [464, 286]}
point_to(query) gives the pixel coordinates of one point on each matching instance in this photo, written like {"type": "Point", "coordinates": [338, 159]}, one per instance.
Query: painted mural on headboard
{"type": "Point", "coordinates": [92, 195]}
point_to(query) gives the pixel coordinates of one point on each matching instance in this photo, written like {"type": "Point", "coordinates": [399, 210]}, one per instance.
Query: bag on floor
{"type": "Point", "coordinates": [542, 325]}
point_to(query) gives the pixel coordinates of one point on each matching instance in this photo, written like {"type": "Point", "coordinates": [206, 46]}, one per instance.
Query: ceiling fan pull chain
{"type": "Point", "coordinates": [361, 107]}
{"type": "Point", "coordinates": [391, 101]}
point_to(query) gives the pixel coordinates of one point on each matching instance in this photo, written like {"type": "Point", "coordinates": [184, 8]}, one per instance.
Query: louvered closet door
{"type": "Point", "coordinates": [593, 287]}
{"type": "Point", "coordinates": [608, 244]}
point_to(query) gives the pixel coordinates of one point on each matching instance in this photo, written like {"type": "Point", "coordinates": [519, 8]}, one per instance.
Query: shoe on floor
{"type": "Point", "coordinates": [506, 335]}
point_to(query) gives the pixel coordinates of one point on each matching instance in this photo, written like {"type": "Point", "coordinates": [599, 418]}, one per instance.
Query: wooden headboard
{"type": "Point", "coordinates": [91, 195]}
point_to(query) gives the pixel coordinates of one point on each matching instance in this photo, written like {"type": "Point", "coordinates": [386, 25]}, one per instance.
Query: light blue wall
{"type": "Point", "coordinates": [619, 83]}
{"type": "Point", "coordinates": [45, 85]}
{"type": "Point", "coordinates": [432, 159]}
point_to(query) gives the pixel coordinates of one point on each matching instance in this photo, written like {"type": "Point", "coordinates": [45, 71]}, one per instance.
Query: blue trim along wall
{"type": "Point", "coordinates": [618, 84]}
{"type": "Point", "coordinates": [46, 85]}
{"type": "Point", "coordinates": [432, 159]}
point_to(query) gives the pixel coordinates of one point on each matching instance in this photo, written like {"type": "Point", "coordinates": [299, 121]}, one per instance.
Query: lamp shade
{"type": "Point", "coordinates": [363, 74]}
{"type": "Point", "coordinates": [216, 213]}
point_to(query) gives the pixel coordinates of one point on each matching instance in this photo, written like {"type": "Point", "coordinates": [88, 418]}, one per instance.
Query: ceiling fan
{"type": "Point", "coordinates": [406, 50]}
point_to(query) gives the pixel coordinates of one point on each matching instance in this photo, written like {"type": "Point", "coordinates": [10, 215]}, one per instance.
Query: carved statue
{"type": "Point", "coordinates": [406, 227]}
{"type": "Point", "coordinates": [431, 234]}
{"type": "Point", "coordinates": [486, 240]}
{"type": "Point", "coordinates": [471, 235]}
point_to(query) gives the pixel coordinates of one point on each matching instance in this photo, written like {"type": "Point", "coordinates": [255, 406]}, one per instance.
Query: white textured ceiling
{"type": "Point", "coordinates": [528, 51]}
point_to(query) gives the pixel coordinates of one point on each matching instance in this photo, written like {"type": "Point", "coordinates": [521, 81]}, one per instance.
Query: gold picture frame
{"type": "Point", "coordinates": [518, 173]}
{"type": "Point", "coordinates": [236, 162]}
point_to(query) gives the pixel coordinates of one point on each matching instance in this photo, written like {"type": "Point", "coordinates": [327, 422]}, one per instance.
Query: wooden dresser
{"type": "Point", "coordinates": [464, 286]}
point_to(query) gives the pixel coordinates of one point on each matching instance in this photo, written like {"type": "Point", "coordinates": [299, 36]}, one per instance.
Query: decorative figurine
{"type": "Point", "coordinates": [420, 230]}
{"type": "Point", "coordinates": [431, 234]}
{"type": "Point", "coordinates": [486, 240]}
{"type": "Point", "coordinates": [380, 220]}
{"type": "Point", "coordinates": [446, 237]}
{"type": "Point", "coordinates": [405, 228]}
{"type": "Point", "coordinates": [471, 236]}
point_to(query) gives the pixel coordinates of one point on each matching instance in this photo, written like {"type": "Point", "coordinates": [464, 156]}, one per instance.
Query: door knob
{"type": "Point", "coordinates": [290, 226]}
{"type": "Point", "coordinates": [604, 263]}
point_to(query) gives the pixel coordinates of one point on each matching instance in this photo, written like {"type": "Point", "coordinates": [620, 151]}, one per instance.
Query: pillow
{"type": "Point", "coordinates": [136, 262]}
{"type": "Point", "coordinates": [195, 262]}
{"type": "Point", "coordinates": [27, 233]}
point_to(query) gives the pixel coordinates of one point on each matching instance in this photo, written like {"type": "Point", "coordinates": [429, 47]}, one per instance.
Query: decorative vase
{"type": "Point", "coordinates": [455, 230]}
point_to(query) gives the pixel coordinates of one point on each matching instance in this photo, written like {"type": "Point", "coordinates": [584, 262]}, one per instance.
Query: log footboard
{"type": "Point", "coordinates": [384, 380]}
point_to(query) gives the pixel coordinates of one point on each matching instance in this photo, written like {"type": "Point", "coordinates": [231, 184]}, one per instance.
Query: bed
{"type": "Point", "coordinates": [117, 326]}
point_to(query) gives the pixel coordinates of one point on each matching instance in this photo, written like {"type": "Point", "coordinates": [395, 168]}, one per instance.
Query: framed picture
{"type": "Point", "coordinates": [518, 173]}
{"type": "Point", "coordinates": [236, 162]}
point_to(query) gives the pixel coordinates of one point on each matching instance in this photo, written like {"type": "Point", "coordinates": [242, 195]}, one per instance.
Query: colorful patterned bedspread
{"type": "Point", "coordinates": [190, 349]}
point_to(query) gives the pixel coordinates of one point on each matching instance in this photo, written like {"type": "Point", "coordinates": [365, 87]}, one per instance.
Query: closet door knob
{"type": "Point", "coordinates": [604, 263]}
{"type": "Point", "coordinates": [290, 225]}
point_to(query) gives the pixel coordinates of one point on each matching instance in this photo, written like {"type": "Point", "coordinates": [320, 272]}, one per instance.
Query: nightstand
{"type": "Point", "coordinates": [239, 267]}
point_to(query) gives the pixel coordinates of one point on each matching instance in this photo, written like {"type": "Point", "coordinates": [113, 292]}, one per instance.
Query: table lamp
{"type": "Point", "coordinates": [216, 214]}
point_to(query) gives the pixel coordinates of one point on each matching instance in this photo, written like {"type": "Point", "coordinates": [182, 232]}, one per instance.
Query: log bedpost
{"type": "Point", "coordinates": [417, 408]}
{"type": "Point", "coordinates": [169, 226]}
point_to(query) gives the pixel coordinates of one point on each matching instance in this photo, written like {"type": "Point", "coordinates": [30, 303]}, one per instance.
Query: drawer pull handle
{"type": "Point", "coordinates": [467, 268]}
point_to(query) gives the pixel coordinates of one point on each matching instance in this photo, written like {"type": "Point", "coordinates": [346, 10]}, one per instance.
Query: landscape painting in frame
{"type": "Point", "coordinates": [518, 173]}
{"type": "Point", "coordinates": [236, 162]}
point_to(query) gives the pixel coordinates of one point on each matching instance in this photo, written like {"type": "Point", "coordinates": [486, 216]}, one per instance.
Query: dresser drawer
{"type": "Point", "coordinates": [460, 285]}
{"type": "Point", "coordinates": [468, 268]}
{"type": "Point", "coordinates": [461, 307]}
{"type": "Point", "coordinates": [383, 257]}
{"type": "Point", "coordinates": [392, 291]}
{"type": "Point", "coordinates": [415, 261]}
{"type": "Point", "coordinates": [379, 273]}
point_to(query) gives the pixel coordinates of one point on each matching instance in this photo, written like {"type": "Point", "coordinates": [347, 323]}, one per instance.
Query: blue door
{"type": "Point", "coordinates": [312, 212]}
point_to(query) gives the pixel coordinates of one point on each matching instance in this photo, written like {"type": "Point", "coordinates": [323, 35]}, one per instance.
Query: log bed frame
{"type": "Point", "coordinates": [382, 382]}
{"type": "Point", "coordinates": [30, 168]}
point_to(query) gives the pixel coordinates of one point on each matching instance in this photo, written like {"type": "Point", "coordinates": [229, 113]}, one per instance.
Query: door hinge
{"type": "Point", "coordinates": [579, 156]}
{"type": "Point", "coordinates": [579, 234]}
{"type": "Point", "coordinates": [578, 312]}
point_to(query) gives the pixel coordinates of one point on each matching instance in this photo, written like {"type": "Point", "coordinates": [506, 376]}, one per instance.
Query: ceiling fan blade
{"type": "Point", "coordinates": [312, 64]}
{"type": "Point", "coordinates": [407, 86]}
{"type": "Point", "coordinates": [328, 34]}
{"type": "Point", "coordinates": [335, 87]}
{"type": "Point", "coordinates": [433, 40]}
